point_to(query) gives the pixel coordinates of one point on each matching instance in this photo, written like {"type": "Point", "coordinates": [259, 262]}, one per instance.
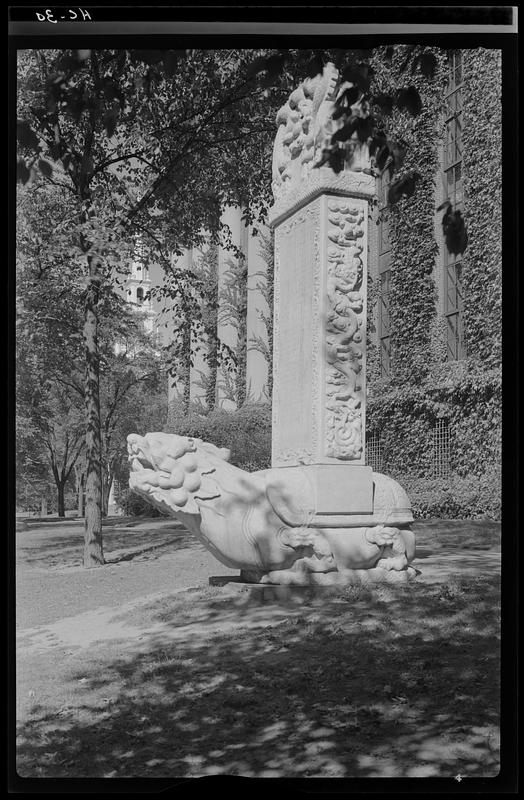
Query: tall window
{"type": "Point", "coordinates": [453, 191]}
{"type": "Point", "coordinates": [384, 274]}
{"type": "Point", "coordinates": [140, 295]}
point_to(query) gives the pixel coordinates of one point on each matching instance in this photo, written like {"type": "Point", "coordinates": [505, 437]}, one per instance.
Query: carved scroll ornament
{"type": "Point", "coordinates": [306, 125]}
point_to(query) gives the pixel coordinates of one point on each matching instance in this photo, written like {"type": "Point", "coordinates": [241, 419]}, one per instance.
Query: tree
{"type": "Point", "coordinates": [49, 420]}
{"type": "Point", "coordinates": [130, 135]}
{"type": "Point", "coordinates": [33, 478]}
{"type": "Point", "coordinates": [156, 143]}
{"type": "Point", "coordinates": [131, 380]}
{"type": "Point", "coordinates": [49, 423]}
{"type": "Point", "coordinates": [49, 352]}
{"type": "Point", "coordinates": [264, 345]}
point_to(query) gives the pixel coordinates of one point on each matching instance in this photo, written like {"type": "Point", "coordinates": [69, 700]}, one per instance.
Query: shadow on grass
{"type": "Point", "coordinates": [170, 545]}
{"type": "Point", "coordinates": [67, 549]}
{"type": "Point", "coordinates": [457, 534]}
{"type": "Point", "coordinates": [396, 681]}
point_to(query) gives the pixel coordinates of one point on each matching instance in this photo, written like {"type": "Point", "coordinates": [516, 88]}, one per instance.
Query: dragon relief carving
{"type": "Point", "coordinates": [344, 331]}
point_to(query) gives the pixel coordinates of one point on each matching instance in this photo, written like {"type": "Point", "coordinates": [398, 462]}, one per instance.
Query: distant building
{"type": "Point", "coordinates": [136, 292]}
{"type": "Point", "coordinates": [137, 288]}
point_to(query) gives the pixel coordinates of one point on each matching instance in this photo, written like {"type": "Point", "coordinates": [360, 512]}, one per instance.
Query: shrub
{"type": "Point", "coordinates": [245, 431]}
{"type": "Point", "coordinates": [135, 506]}
{"type": "Point", "coordinates": [456, 497]}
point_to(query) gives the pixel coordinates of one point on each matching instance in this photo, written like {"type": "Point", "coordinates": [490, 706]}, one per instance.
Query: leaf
{"type": "Point", "coordinates": [410, 49]}
{"type": "Point", "coordinates": [256, 66]}
{"type": "Point", "coordinates": [389, 53]}
{"type": "Point", "coordinates": [274, 65]}
{"type": "Point", "coordinates": [398, 152]}
{"type": "Point", "coordinates": [337, 160]}
{"type": "Point", "coordinates": [22, 173]}
{"type": "Point", "coordinates": [403, 187]}
{"type": "Point", "coordinates": [339, 112]}
{"type": "Point", "coordinates": [170, 62]}
{"type": "Point", "coordinates": [454, 229]}
{"type": "Point", "coordinates": [359, 74]}
{"type": "Point", "coordinates": [324, 158]}
{"type": "Point", "coordinates": [56, 150]}
{"type": "Point", "coordinates": [382, 154]}
{"type": "Point", "coordinates": [384, 102]}
{"type": "Point", "coordinates": [26, 136]}
{"type": "Point", "coordinates": [112, 90]}
{"type": "Point", "coordinates": [365, 128]}
{"type": "Point", "coordinates": [315, 66]}
{"type": "Point", "coordinates": [45, 168]}
{"type": "Point", "coordinates": [409, 99]}
{"type": "Point", "coordinates": [148, 56]}
{"type": "Point", "coordinates": [346, 132]}
{"type": "Point", "coordinates": [110, 120]}
{"type": "Point", "coordinates": [349, 96]}
{"type": "Point", "coordinates": [427, 63]}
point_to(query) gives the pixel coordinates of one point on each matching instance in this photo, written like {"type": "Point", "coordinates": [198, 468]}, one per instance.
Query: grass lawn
{"type": "Point", "coordinates": [388, 681]}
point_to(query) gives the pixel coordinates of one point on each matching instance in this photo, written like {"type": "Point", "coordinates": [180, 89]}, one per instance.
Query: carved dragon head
{"type": "Point", "coordinates": [173, 472]}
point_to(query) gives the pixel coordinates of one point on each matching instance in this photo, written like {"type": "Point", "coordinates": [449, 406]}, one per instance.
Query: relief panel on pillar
{"type": "Point", "coordinates": [345, 331]}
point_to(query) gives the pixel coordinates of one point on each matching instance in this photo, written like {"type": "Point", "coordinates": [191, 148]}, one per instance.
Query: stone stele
{"type": "Point", "coordinates": [319, 515]}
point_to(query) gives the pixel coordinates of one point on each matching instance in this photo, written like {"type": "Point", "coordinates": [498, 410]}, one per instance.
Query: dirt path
{"type": "Point", "coordinates": [155, 557]}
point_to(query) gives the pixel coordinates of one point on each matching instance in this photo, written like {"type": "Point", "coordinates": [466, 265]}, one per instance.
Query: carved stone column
{"type": "Point", "coordinates": [319, 362]}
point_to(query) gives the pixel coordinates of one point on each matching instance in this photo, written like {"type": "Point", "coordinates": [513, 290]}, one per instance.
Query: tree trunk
{"type": "Point", "coordinates": [60, 489]}
{"type": "Point", "coordinates": [106, 491]}
{"type": "Point", "coordinates": [93, 550]}
{"type": "Point", "coordinates": [81, 496]}
{"type": "Point", "coordinates": [43, 506]}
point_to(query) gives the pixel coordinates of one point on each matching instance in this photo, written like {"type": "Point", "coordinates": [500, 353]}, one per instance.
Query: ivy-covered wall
{"type": "Point", "coordinates": [482, 264]}
{"type": "Point", "coordinates": [423, 386]}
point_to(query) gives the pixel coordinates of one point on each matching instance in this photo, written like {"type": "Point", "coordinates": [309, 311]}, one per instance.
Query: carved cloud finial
{"type": "Point", "coordinates": [305, 126]}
